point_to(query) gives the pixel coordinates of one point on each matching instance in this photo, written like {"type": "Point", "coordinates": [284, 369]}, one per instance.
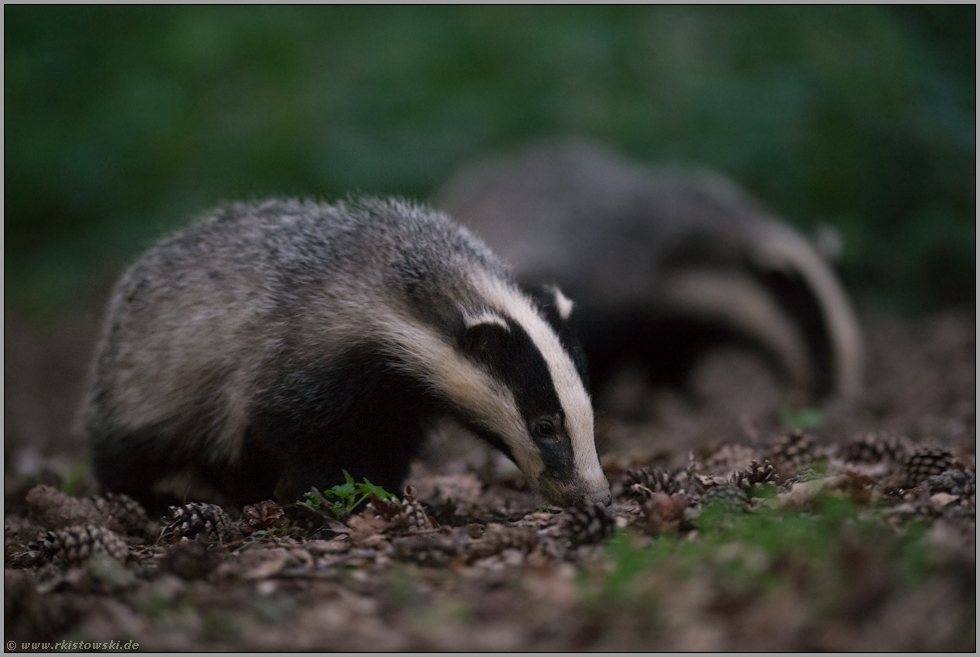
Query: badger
{"type": "Point", "coordinates": [663, 264]}
{"type": "Point", "coordinates": [270, 346]}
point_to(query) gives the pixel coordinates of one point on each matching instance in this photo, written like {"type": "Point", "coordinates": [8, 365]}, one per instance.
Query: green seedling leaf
{"type": "Point", "coordinates": [349, 495]}
{"type": "Point", "coordinates": [316, 501]}
{"type": "Point", "coordinates": [346, 490]}
{"type": "Point", "coordinates": [377, 490]}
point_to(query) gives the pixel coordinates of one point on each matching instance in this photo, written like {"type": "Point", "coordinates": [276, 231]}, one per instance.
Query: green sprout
{"type": "Point", "coordinates": [343, 498]}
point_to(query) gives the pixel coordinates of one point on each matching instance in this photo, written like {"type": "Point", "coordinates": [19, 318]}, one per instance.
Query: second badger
{"type": "Point", "coordinates": [269, 346]}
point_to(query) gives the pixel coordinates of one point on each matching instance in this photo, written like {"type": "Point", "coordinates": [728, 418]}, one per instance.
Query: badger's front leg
{"type": "Point", "coordinates": [356, 414]}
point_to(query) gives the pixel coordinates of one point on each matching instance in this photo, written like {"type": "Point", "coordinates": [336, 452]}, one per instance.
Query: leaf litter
{"type": "Point", "coordinates": [728, 531]}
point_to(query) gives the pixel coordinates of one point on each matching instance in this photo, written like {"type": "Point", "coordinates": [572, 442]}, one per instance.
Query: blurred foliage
{"type": "Point", "coordinates": [804, 418]}
{"type": "Point", "coordinates": [764, 549]}
{"type": "Point", "coordinates": [123, 122]}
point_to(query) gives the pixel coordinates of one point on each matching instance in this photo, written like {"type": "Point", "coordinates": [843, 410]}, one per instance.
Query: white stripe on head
{"type": "Point", "coordinates": [483, 316]}
{"type": "Point", "coordinates": [572, 396]}
{"type": "Point", "coordinates": [419, 349]}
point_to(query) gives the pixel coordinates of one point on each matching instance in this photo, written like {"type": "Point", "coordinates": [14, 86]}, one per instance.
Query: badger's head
{"type": "Point", "coordinates": [525, 389]}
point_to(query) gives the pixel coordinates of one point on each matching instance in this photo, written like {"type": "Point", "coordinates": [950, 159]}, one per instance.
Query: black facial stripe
{"type": "Point", "coordinates": [521, 366]}
{"type": "Point", "coordinates": [518, 363]}
{"type": "Point", "coordinates": [558, 458]}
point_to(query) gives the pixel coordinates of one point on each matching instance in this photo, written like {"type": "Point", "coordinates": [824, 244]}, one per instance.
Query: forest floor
{"type": "Point", "coordinates": [859, 534]}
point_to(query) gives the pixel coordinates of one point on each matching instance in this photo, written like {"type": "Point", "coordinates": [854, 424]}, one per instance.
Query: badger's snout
{"type": "Point", "coordinates": [602, 496]}
{"type": "Point", "coordinates": [566, 494]}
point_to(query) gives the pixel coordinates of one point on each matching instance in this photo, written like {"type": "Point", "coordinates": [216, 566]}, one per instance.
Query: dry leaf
{"type": "Point", "coordinates": [366, 525]}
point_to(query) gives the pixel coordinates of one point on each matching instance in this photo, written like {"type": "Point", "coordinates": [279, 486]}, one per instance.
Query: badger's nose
{"type": "Point", "coordinates": [602, 496]}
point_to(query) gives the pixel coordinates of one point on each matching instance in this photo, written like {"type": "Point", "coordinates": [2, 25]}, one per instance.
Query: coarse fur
{"type": "Point", "coordinates": [662, 264]}
{"type": "Point", "coordinates": [270, 346]}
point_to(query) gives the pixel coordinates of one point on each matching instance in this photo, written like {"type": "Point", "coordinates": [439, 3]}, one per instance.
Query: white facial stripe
{"type": "Point", "coordinates": [563, 303]}
{"type": "Point", "coordinates": [421, 350]}
{"type": "Point", "coordinates": [571, 392]}
{"type": "Point", "coordinates": [483, 317]}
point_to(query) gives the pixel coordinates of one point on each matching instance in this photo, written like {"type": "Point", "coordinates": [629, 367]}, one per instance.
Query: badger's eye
{"type": "Point", "coordinates": [544, 428]}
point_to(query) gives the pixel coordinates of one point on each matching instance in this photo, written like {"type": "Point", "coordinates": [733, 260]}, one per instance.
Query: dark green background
{"type": "Point", "coordinates": [123, 122]}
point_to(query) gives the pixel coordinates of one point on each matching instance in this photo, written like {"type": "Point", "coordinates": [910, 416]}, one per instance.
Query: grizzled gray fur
{"type": "Point", "coordinates": [269, 346]}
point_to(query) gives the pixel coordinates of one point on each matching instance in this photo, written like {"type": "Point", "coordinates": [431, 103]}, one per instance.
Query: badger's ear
{"type": "Point", "coordinates": [557, 308]}
{"type": "Point", "coordinates": [563, 305]}
{"type": "Point", "coordinates": [482, 333]}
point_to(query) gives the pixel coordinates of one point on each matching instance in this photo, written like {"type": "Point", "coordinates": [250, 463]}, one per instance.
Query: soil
{"type": "Point", "coordinates": [475, 560]}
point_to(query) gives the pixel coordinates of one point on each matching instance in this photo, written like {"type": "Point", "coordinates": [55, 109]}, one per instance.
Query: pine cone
{"type": "Point", "coordinates": [874, 448]}
{"type": "Point", "coordinates": [727, 459]}
{"type": "Point", "coordinates": [925, 462]}
{"type": "Point", "coordinates": [954, 482]}
{"type": "Point", "coordinates": [414, 516]}
{"type": "Point", "coordinates": [792, 453]}
{"type": "Point", "coordinates": [756, 475]}
{"type": "Point", "coordinates": [432, 549]}
{"type": "Point", "coordinates": [120, 513]}
{"type": "Point", "coordinates": [195, 518]}
{"type": "Point", "coordinates": [264, 515]}
{"type": "Point", "coordinates": [74, 545]}
{"type": "Point", "coordinates": [497, 538]}
{"type": "Point", "coordinates": [728, 496]}
{"type": "Point", "coordinates": [587, 523]}
{"type": "Point", "coordinates": [970, 486]}
{"type": "Point", "coordinates": [640, 484]}
{"type": "Point", "coordinates": [53, 509]}
{"type": "Point", "coordinates": [123, 514]}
